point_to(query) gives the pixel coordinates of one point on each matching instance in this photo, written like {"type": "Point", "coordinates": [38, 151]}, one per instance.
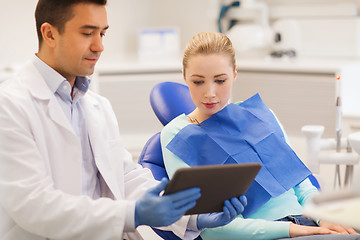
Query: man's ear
{"type": "Point", "coordinates": [49, 34]}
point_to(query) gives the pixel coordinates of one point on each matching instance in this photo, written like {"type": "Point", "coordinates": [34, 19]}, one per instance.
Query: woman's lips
{"type": "Point", "coordinates": [210, 105]}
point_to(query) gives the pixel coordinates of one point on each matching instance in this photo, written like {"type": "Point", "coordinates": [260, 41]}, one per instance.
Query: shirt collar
{"type": "Point", "coordinates": [52, 78]}
{"type": "Point", "coordinates": [55, 80]}
{"type": "Point", "coordinates": [82, 83]}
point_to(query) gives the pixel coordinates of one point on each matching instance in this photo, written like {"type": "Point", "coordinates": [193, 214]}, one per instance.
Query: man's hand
{"type": "Point", "coordinates": [231, 210]}
{"type": "Point", "coordinates": [156, 211]}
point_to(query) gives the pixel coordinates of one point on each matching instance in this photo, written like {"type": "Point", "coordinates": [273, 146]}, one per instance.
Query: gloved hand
{"type": "Point", "coordinates": [156, 211]}
{"type": "Point", "coordinates": [231, 210]}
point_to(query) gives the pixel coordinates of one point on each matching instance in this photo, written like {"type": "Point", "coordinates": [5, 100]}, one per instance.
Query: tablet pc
{"type": "Point", "coordinates": [216, 182]}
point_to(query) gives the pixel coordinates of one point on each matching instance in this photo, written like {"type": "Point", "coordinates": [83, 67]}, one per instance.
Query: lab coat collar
{"type": "Point", "coordinates": [51, 77]}
{"type": "Point", "coordinates": [37, 87]}
{"type": "Point", "coordinates": [35, 83]}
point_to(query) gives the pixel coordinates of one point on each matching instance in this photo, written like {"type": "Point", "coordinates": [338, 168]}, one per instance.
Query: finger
{"type": "Point", "coordinates": [183, 209]}
{"type": "Point", "coordinates": [160, 187]}
{"type": "Point", "coordinates": [188, 193]}
{"type": "Point", "coordinates": [338, 228]}
{"type": "Point", "coordinates": [350, 230]}
{"type": "Point", "coordinates": [237, 205]}
{"type": "Point", "coordinates": [184, 201]}
{"type": "Point", "coordinates": [231, 209]}
{"type": "Point", "coordinates": [323, 230]}
{"type": "Point", "coordinates": [243, 200]}
{"type": "Point", "coordinates": [226, 213]}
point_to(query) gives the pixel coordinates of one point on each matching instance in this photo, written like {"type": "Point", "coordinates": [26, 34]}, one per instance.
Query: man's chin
{"type": "Point", "coordinates": [87, 72]}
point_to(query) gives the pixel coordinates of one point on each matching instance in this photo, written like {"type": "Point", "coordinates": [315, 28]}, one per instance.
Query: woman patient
{"type": "Point", "coordinates": [219, 132]}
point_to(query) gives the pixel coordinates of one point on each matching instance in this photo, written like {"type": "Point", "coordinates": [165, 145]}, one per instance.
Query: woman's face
{"type": "Point", "coordinates": [210, 78]}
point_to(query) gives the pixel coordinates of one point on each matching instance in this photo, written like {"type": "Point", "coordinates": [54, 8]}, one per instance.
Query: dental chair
{"type": "Point", "coordinates": [151, 157]}
{"type": "Point", "coordinates": [169, 100]}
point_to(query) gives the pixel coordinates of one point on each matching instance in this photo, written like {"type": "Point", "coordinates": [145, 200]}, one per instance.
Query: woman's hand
{"type": "Point", "coordinates": [337, 228]}
{"type": "Point", "coordinates": [325, 227]}
{"type": "Point", "coordinates": [296, 230]}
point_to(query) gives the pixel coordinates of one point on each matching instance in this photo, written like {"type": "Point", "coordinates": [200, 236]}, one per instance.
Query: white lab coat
{"type": "Point", "coordinates": [40, 167]}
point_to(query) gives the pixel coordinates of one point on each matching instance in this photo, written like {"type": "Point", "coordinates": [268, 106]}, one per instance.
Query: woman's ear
{"type": "Point", "coordinates": [183, 73]}
{"type": "Point", "coordinates": [49, 33]}
{"type": "Point", "coordinates": [235, 73]}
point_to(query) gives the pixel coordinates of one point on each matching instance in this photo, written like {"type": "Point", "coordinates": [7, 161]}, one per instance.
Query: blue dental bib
{"type": "Point", "coordinates": [244, 133]}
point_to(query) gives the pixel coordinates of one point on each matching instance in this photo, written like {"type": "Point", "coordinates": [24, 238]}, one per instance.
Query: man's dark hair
{"type": "Point", "coordinates": [57, 13]}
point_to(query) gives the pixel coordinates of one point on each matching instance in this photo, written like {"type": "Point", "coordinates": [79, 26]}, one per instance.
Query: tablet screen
{"type": "Point", "coordinates": [216, 182]}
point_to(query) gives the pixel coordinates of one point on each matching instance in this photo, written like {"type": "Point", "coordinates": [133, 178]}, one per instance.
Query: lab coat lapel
{"type": "Point", "coordinates": [98, 144]}
{"type": "Point", "coordinates": [57, 115]}
{"type": "Point", "coordinates": [57, 126]}
{"type": "Point", "coordinates": [39, 90]}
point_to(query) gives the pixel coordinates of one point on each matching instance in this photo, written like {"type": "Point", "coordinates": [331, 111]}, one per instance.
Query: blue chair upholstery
{"type": "Point", "coordinates": [164, 100]}
{"type": "Point", "coordinates": [151, 157]}
{"type": "Point", "coordinates": [170, 99]}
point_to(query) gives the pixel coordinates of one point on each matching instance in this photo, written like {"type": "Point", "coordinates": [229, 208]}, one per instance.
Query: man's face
{"type": "Point", "coordinates": [79, 47]}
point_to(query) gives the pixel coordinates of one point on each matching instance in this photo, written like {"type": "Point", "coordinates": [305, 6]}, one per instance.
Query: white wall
{"type": "Point", "coordinates": [127, 18]}
{"type": "Point", "coordinates": [18, 36]}
{"type": "Point", "coordinates": [18, 40]}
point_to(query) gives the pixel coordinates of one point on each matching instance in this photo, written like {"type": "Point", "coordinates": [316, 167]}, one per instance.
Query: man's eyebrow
{"type": "Point", "coordinates": [93, 27]}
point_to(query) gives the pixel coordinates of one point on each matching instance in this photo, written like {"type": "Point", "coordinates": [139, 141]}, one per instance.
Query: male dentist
{"type": "Point", "coordinates": [64, 172]}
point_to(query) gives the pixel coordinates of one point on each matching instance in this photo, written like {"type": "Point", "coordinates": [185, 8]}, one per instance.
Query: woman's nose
{"type": "Point", "coordinates": [210, 91]}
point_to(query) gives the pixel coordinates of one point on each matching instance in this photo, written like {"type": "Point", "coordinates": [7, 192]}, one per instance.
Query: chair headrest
{"type": "Point", "coordinates": [170, 99]}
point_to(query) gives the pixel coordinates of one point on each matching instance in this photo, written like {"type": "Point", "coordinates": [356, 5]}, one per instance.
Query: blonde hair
{"type": "Point", "coordinates": [208, 43]}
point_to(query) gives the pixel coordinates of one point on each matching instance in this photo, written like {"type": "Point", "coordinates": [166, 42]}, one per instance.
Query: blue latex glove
{"type": "Point", "coordinates": [231, 210]}
{"type": "Point", "coordinates": [156, 211]}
